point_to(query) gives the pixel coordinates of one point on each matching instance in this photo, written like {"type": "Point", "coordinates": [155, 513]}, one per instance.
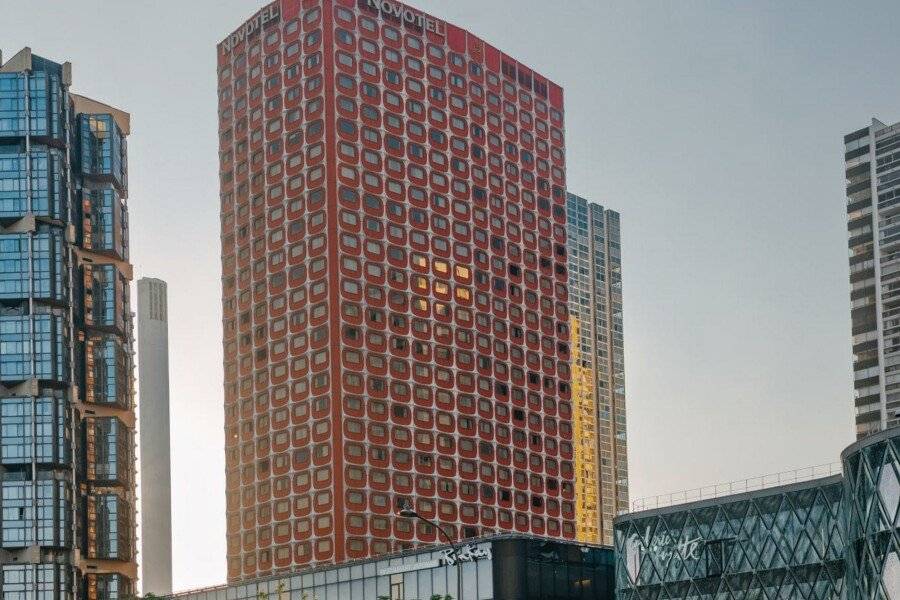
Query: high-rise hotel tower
{"type": "Point", "coordinates": [872, 157]}
{"type": "Point", "coordinates": [66, 407]}
{"type": "Point", "coordinates": [598, 367]}
{"type": "Point", "coordinates": [394, 272]}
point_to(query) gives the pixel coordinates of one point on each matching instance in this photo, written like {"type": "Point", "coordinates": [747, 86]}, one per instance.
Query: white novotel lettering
{"type": "Point", "coordinates": [254, 25]}
{"type": "Point", "coordinates": [407, 15]}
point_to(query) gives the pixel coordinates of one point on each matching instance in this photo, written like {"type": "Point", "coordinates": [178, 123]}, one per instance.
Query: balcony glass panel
{"type": "Point", "coordinates": [48, 176]}
{"type": "Point", "coordinates": [12, 104]}
{"type": "Point", "coordinates": [106, 372]}
{"type": "Point", "coordinates": [46, 271]}
{"type": "Point", "coordinates": [41, 354]}
{"type": "Point", "coordinates": [106, 297]}
{"type": "Point", "coordinates": [45, 99]}
{"type": "Point", "coordinates": [108, 448]}
{"type": "Point", "coordinates": [109, 586]}
{"type": "Point", "coordinates": [41, 582]}
{"type": "Point", "coordinates": [109, 517]}
{"type": "Point", "coordinates": [103, 149]}
{"type": "Point", "coordinates": [103, 225]}
{"type": "Point", "coordinates": [47, 417]}
{"type": "Point", "coordinates": [50, 517]}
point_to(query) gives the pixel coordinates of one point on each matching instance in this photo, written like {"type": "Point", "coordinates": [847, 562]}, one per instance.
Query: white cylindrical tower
{"type": "Point", "coordinates": [156, 478]}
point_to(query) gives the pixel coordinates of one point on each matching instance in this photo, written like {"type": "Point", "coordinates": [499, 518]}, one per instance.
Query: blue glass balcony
{"type": "Point", "coordinates": [38, 351]}
{"type": "Point", "coordinates": [109, 517]}
{"type": "Point", "coordinates": [106, 372]}
{"type": "Point", "coordinates": [44, 276]}
{"type": "Point", "coordinates": [46, 104]}
{"type": "Point", "coordinates": [104, 223]}
{"type": "Point", "coordinates": [106, 298]}
{"type": "Point", "coordinates": [48, 185]}
{"type": "Point", "coordinates": [110, 586]}
{"type": "Point", "coordinates": [19, 581]}
{"type": "Point", "coordinates": [50, 516]}
{"type": "Point", "coordinates": [12, 104]}
{"type": "Point", "coordinates": [108, 445]}
{"type": "Point", "coordinates": [103, 150]}
{"type": "Point", "coordinates": [47, 418]}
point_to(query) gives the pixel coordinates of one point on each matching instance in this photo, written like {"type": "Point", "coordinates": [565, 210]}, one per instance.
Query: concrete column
{"type": "Point", "coordinates": [156, 478]}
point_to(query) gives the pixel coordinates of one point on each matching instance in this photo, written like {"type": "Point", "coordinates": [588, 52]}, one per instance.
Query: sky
{"type": "Point", "coordinates": [714, 128]}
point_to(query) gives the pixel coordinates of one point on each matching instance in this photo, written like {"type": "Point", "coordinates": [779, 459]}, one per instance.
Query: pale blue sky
{"type": "Point", "coordinates": [714, 128]}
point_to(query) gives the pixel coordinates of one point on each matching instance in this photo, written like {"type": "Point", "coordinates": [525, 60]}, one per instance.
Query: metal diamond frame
{"type": "Point", "coordinates": [781, 543]}
{"type": "Point", "coordinates": [835, 538]}
{"type": "Point", "coordinates": [872, 509]}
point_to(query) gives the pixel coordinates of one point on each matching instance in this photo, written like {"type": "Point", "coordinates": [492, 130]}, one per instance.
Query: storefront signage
{"type": "Point", "coordinates": [446, 558]}
{"type": "Point", "coordinates": [408, 568]}
{"type": "Point", "coordinates": [389, 8]}
{"type": "Point", "coordinates": [665, 546]}
{"type": "Point", "coordinates": [260, 21]}
{"type": "Point", "coordinates": [707, 557]}
{"type": "Point", "coordinates": [467, 553]}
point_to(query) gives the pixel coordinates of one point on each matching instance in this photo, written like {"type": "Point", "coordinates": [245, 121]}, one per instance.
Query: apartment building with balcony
{"type": "Point", "coordinates": [66, 410]}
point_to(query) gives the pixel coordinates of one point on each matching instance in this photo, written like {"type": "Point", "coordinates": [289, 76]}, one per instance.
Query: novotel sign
{"type": "Point", "coordinates": [261, 20]}
{"type": "Point", "coordinates": [395, 10]}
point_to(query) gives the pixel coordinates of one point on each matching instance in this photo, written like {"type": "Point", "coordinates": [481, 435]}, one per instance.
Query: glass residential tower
{"type": "Point", "coordinates": [66, 410]}
{"type": "Point", "coordinates": [598, 367]}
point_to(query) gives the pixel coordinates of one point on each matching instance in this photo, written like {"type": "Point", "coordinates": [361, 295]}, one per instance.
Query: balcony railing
{"type": "Point", "coordinates": [751, 484]}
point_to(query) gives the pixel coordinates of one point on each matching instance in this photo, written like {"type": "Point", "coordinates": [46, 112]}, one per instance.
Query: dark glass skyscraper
{"type": "Point", "coordinates": [66, 409]}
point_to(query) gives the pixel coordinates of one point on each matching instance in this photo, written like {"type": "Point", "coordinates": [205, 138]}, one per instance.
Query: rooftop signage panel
{"type": "Point", "coordinates": [261, 20]}
{"type": "Point", "coordinates": [399, 12]}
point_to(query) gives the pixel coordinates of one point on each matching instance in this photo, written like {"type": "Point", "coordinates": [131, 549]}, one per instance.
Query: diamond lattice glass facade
{"type": "Point", "coordinates": [66, 415]}
{"type": "Point", "coordinates": [834, 538]}
{"type": "Point", "coordinates": [786, 543]}
{"type": "Point", "coordinates": [872, 477]}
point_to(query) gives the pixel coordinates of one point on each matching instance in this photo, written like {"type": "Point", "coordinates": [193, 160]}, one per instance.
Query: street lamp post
{"type": "Point", "coordinates": [411, 513]}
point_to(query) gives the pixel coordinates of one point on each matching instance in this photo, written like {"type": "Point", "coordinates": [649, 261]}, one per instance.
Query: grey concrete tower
{"type": "Point", "coordinates": [153, 425]}
{"type": "Point", "coordinates": [872, 168]}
